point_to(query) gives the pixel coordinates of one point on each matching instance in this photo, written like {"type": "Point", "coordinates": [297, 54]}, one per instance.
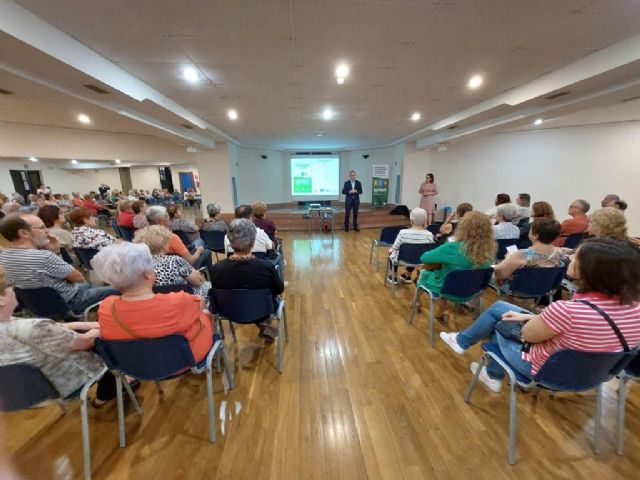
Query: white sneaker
{"type": "Point", "coordinates": [451, 339]}
{"type": "Point", "coordinates": [391, 280]}
{"type": "Point", "coordinates": [491, 383]}
{"type": "Point", "coordinates": [286, 284]}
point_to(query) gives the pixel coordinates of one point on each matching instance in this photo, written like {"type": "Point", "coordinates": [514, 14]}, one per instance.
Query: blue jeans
{"type": "Point", "coordinates": [484, 327]}
{"type": "Point", "coordinates": [88, 295]}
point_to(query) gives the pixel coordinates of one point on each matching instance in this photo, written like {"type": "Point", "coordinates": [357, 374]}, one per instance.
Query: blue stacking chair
{"type": "Point", "coordinates": [23, 386]}
{"type": "Point", "coordinates": [160, 359]}
{"type": "Point", "coordinates": [574, 240]}
{"type": "Point", "coordinates": [172, 288]}
{"type": "Point", "coordinates": [408, 256]}
{"type": "Point", "coordinates": [85, 255]}
{"type": "Point", "coordinates": [524, 243]}
{"type": "Point", "coordinates": [434, 228]}
{"type": "Point", "coordinates": [534, 283]}
{"type": "Point", "coordinates": [126, 233]}
{"type": "Point", "coordinates": [387, 237]}
{"type": "Point", "coordinates": [116, 228]}
{"type": "Point", "coordinates": [249, 306]}
{"type": "Point", "coordinates": [184, 237]}
{"type": "Point", "coordinates": [214, 241]}
{"type": "Point", "coordinates": [630, 372]}
{"type": "Point", "coordinates": [65, 256]}
{"type": "Point", "coordinates": [46, 302]}
{"type": "Point", "coordinates": [459, 284]}
{"type": "Point", "coordinates": [502, 247]}
{"type": "Point", "coordinates": [564, 371]}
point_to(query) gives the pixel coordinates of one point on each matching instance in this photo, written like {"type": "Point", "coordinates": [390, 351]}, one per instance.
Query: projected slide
{"type": "Point", "coordinates": [315, 176]}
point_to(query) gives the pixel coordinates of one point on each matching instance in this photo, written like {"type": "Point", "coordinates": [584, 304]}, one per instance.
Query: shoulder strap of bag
{"type": "Point", "coordinates": [615, 328]}
{"type": "Point", "coordinates": [122, 323]}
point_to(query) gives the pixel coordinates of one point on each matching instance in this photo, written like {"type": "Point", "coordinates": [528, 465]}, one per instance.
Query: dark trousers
{"type": "Point", "coordinates": [352, 202]}
{"type": "Point", "coordinates": [106, 387]}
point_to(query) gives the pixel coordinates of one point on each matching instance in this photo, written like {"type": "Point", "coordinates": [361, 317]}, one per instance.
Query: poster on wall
{"type": "Point", "coordinates": [380, 185]}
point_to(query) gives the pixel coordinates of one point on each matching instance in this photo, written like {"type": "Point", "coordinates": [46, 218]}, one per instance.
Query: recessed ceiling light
{"type": "Point", "coordinates": [74, 162]}
{"type": "Point", "coordinates": [327, 114]}
{"type": "Point", "coordinates": [190, 74]}
{"type": "Point", "coordinates": [340, 80]}
{"type": "Point", "coordinates": [118, 160]}
{"type": "Point", "coordinates": [538, 121]}
{"type": "Point", "coordinates": [475, 82]}
{"type": "Point", "coordinates": [33, 159]}
{"type": "Point", "coordinates": [415, 116]}
{"type": "Point", "coordinates": [319, 134]}
{"type": "Point", "coordinates": [82, 118]}
{"type": "Point", "coordinates": [342, 70]}
{"type": "Point", "coordinates": [232, 114]}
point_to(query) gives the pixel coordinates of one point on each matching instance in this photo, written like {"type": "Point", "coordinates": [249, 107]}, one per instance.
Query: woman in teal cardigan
{"type": "Point", "coordinates": [473, 247]}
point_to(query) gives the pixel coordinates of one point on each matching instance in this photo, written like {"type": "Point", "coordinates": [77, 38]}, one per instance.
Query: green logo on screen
{"type": "Point", "coordinates": [301, 185]}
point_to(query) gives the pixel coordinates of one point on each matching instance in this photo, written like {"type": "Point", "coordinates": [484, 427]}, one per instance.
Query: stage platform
{"type": "Point", "coordinates": [290, 217]}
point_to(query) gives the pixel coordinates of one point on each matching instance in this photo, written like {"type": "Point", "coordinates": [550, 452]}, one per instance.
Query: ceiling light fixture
{"type": "Point", "coordinates": [117, 160]}
{"type": "Point", "coordinates": [190, 74]}
{"type": "Point", "coordinates": [232, 114]}
{"type": "Point", "coordinates": [327, 114]}
{"type": "Point", "coordinates": [33, 159]}
{"type": "Point", "coordinates": [319, 134]}
{"type": "Point", "coordinates": [82, 118]}
{"type": "Point", "coordinates": [475, 82]}
{"type": "Point", "coordinates": [342, 70]}
{"type": "Point", "coordinates": [340, 80]}
{"type": "Point", "coordinates": [415, 116]}
{"type": "Point", "coordinates": [538, 121]}
{"type": "Point", "coordinates": [74, 162]}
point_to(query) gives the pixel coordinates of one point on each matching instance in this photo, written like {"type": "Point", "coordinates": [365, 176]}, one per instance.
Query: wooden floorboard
{"type": "Point", "coordinates": [362, 396]}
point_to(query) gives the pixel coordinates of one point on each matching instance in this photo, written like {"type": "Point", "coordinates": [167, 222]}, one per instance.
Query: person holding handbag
{"type": "Point", "coordinates": [603, 316]}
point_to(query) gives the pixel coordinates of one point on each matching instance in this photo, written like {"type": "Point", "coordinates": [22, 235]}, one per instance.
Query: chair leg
{"type": "Point", "coordinates": [512, 419]}
{"type": "Point", "coordinates": [622, 393]}
{"type": "Point", "coordinates": [159, 388]}
{"type": "Point", "coordinates": [371, 252]}
{"type": "Point", "coordinates": [286, 324]}
{"type": "Point", "coordinates": [210, 402]}
{"type": "Point", "coordinates": [123, 441]}
{"type": "Point", "coordinates": [279, 345]}
{"type": "Point", "coordinates": [474, 380]}
{"type": "Point", "coordinates": [394, 280]}
{"type": "Point", "coordinates": [86, 445]}
{"type": "Point", "coordinates": [414, 305]}
{"type": "Point", "coordinates": [132, 397]}
{"type": "Point", "coordinates": [386, 272]}
{"type": "Point", "coordinates": [597, 428]}
{"type": "Point", "coordinates": [220, 327]}
{"type": "Point", "coordinates": [227, 366]}
{"type": "Point", "coordinates": [432, 322]}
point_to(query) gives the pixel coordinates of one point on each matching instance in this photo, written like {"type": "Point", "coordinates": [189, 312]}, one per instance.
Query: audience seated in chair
{"type": "Point", "coordinates": [541, 254]}
{"type": "Point", "coordinates": [86, 233]}
{"type": "Point", "coordinates": [58, 350]}
{"type": "Point", "coordinates": [90, 203]}
{"type": "Point", "coordinates": [139, 313]}
{"type": "Point", "coordinates": [609, 200]}
{"type": "Point", "coordinates": [523, 211]}
{"type": "Point", "coordinates": [33, 261]}
{"type": "Point", "coordinates": [505, 229]}
{"type": "Point", "coordinates": [262, 241]}
{"type": "Point", "coordinates": [139, 209]}
{"type": "Point", "coordinates": [125, 214]}
{"type": "Point", "coordinates": [448, 228]}
{"type": "Point", "coordinates": [259, 211]}
{"type": "Point", "coordinates": [538, 210]}
{"type": "Point", "coordinates": [244, 270]}
{"type": "Point", "coordinates": [578, 222]}
{"type": "Point", "coordinates": [53, 219]}
{"type": "Point", "coordinates": [214, 223]}
{"type": "Point", "coordinates": [416, 234]}
{"type": "Point", "coordinates": [608, 274]}
{"type": "Point", "coordinates": [501, 199]}
{"type": "Point", "coordinates": [176, 222]}
{"type": "Point", "coordinates": [170, 269]}
{"type": "Point", "coordinates": [474, 247]}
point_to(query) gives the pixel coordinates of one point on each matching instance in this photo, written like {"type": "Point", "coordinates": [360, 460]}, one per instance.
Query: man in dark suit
{"type": "Point", "coordinates": [352, 189]}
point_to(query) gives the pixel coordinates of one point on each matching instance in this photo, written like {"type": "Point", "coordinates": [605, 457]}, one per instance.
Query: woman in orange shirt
{"type": "Point", "coordinates": [139, 313]}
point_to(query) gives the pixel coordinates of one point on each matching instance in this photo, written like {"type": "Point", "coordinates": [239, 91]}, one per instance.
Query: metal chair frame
{"type": "Point", "coordinates": [402, 261]}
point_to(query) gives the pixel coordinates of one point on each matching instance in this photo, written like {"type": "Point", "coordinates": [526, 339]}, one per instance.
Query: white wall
{"type": "Point", "coordinates": [555, 165]}
{"type": "Point", "coordinates": [265, 180]}
{"type": "Point", "coordinates": [353, 160]}
{"type": "Point", "coordinates": [146, 178]}
{"type": "Point", "coordinates": [215, 177]}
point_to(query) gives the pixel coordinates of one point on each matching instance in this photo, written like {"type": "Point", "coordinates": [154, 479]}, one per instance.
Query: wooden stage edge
{"type": "Point", "coordinates": [289, 217]}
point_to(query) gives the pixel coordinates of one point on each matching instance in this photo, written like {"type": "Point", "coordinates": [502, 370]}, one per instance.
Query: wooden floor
{"type": "Point", "coordinates": [362, 396]}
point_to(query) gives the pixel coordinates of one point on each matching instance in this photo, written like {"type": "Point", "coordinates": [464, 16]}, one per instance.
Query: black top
{"type": "Point", "coordinates": [255, 273]}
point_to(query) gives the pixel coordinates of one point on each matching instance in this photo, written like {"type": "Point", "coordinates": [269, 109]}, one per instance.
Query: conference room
{"type": "Point", "coordinates": [427, 209]}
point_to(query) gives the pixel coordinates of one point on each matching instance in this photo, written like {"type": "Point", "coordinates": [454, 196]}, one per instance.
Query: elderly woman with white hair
{"type": "Point", "coordinates": [416, 234]}
{"type": "Point", "coordinates": [214, 223]}
{"type": "Point", "coordinates": [504, 229]}
{"type": "Point", "coordinates": [245, 270]}
{"type": "Point", "coordinates": [170, 269]}
{"type": "Point", "coordinates": [138, 312]}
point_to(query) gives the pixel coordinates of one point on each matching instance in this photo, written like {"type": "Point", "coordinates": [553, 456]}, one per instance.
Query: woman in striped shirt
{"type": "Point", "coordinates": [607, 272]}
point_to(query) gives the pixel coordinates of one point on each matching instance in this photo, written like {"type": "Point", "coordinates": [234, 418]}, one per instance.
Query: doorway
{"type": "Point", "coordinates": [186, 181]}
{"type": "Point", "coordinates": [26, 181]}
{"type": "Point", "coordinates": [166, 181]}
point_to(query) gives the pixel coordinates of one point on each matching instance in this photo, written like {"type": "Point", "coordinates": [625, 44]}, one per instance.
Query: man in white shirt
{"type": "Point", "coordinates": [263, 242]}
{"type": "Point", "coordinates": [523, 201]}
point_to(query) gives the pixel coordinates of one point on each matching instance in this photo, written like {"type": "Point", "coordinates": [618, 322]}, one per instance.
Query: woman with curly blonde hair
{"type": "Point", "coordinates": [473, 247]}
{"type": "Point", "coordinates": [608, 222]}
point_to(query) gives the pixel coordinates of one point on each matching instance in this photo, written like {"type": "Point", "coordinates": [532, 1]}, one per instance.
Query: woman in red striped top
{"type": "Point", "coordinates": [608, 274]}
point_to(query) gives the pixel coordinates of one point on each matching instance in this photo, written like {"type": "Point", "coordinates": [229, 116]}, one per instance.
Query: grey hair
{"type": "Point", "coordinates": [123, 265]}
{"type": "Point", "coordinates": [155, 214]}
{"type": "Point", "coordinates": [508, 211]}
{"type": "Point", "coordinates": [584, 205]}
{"type": "Point", "coordinates": [242, 235]}
{"type": "Point", "coordinates": [418, 217]}
{"type": "Point", "coordinates": [213, 209]}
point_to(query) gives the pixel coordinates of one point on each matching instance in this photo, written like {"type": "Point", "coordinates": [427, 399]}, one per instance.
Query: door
{"type": "Point", "coordinates": [186, 181]}
{"type": "Point", "coordinates": [125, 179]}
{"type": "Point", "coordinates": [165, 178]}
{"type": "Point", "coordinates": [26, 181]}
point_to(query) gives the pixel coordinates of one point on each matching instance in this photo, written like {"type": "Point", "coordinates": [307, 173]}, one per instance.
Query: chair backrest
{"type": "Point", "coordinates": [183, 236]}
{"type": "Point", "coordinates": [502, 247]}
{"type": "Point", "coordinates": [466, 283]}
{"type": "Point", "coordinates": [388, 234]}
{"type": "Point", "coordinates": [573, 371]}
{"type": "Point", "coordinates": [434, 228]}
{"type": "Point", "coordinates": [65, 256]}
{"type": "Point", "coordinates": [575, 239]}
{"type": "Point", "coordinates": [536, 282]}
{"type": "Point", "coordinates": [213, 240]}
{"type": "Point", "coordinates": [633, 368]}
{"type": "Point", "coordinates": [522, 244]}
{"type": "Point", "coordinates": [115, 226]}
{"type": "Point", "coordinates": [45, 302]}
{"type": "Point", "coordinates": [242, 305]}
{"type": "Point", "coordinates": [126, 233]}
{"type": "Point", "coordinates": [23, 386]}
{"type": "Point", "coordinates": [149, 358]}
{"type": "Point", "coordinates": [410, 253]}
{"type": "Point", "coordinates": [85, 255]}
{"type": "Point", "coordinates": [172, 288]}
